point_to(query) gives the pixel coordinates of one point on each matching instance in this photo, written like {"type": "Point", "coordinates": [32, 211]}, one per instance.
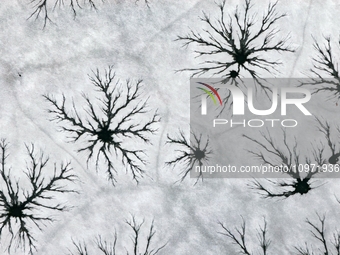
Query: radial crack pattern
{"type": "Point", "coordinates": [269, 152]}
{"type": "Point", "coordinates": [22, 207]}
{"type": "Point", "coordinates": [114, 125]}
{"type": "Point", "coordinates": [241, 44]}
{"type": "Point", "coordinates": [190, 155]}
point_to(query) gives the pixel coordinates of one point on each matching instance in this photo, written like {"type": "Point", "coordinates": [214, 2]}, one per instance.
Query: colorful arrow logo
{"type": "Point", "coordinates": [211, 95]}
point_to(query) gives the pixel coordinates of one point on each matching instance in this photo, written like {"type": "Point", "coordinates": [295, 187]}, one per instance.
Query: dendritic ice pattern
{"type": "Point", "coordinates": [95, 140]}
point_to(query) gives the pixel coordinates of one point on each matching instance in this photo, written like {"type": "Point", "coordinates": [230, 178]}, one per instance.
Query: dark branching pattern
{"type": "Point", "coordinates": [322, 245]}
{"type": "Point", "coordinates": [22, 207]}
{"type": "Point", "coordinates": [325, 128]}
{"type": "Point", "coordinates": [324, 73]}
{"type": "Point", "coordinates": [238, 237]}
{"type": "Point", "coordinates": [238, 42]}
{"type": "Point", "coordinates": [288, 156]}
{"type": "Point", "coordinates": [191, 154]}
{"type": "Point", "coordinates": [42, 8]}
{"type": "Point", "coordinates": [141, 244]}
{"type": "Point", "coordinates": [116, 116]}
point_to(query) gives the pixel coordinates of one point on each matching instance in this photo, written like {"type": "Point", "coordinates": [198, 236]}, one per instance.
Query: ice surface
{"type": "Point", "coordinates": [140, 42]}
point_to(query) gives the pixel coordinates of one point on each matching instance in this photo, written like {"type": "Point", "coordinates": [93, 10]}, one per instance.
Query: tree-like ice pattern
{"type": "Point", "coordinates": [239, 236]}
{"type": "Point", "coordinates": [23, 207]}
{"type": "Point", "coordinates": [324, 74]}
{"type": "Point", "coordinates": [322, 245]}
{"type": "Point", "coordinates": [141, 244]}
{"type": "Point", "coordinates": [191, 154]}
{"type": "Point", "coordinates": [271, 153]}
{"type": "Point", "coordinates": [241, 44]}
{"type": "Point", "coordinates": [43, 8]}
{"type": "Point", "coordinates": [116, 116]}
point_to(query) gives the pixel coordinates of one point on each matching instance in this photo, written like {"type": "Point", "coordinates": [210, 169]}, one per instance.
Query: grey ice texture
{"type": "Point", "coordinates": [140, 43]}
